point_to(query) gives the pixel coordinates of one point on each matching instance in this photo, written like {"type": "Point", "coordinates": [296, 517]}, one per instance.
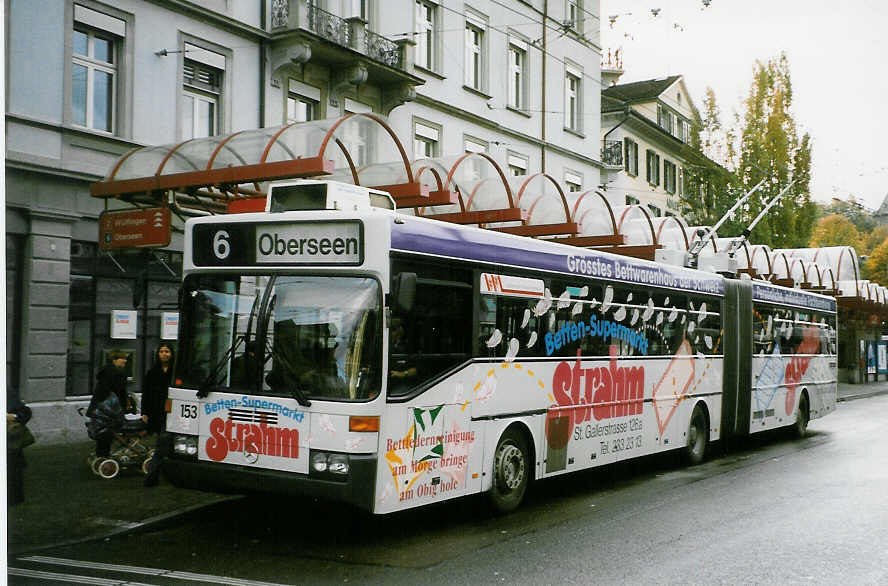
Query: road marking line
{"type": "Point", "coordinates": [94, 565]}
{"type": "Point", "coordinates": [147, 571]}
{"type": "Point", "coordinates": [25, 573]}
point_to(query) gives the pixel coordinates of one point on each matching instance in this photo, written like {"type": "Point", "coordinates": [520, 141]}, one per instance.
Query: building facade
{"type": "Point", "coordinates": [87, 81]}
{"type": "Point", "coordinates": [646, 129]}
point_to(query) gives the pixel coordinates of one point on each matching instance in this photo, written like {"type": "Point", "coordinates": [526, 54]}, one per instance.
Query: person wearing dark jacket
{"type": "Point", "coordinates": [111, 379]}
{"type": "Point", "coordinates": [155, 386]}
{"type": "Point", "coordinates": [17, 415]}
{"type": "Point", "coordinates": [154, 396]}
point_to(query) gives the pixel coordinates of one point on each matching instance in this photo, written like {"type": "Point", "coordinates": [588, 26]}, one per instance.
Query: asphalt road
{"type": "Point", "coordinates": [775, 511]}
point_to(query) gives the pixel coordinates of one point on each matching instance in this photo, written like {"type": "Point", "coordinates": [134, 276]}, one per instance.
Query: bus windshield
{"type": "Point", "coordinates": [301, 336]}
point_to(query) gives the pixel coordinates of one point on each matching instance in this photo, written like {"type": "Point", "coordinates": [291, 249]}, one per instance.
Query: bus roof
{"type": "Point", "coordinates": [432, 237]}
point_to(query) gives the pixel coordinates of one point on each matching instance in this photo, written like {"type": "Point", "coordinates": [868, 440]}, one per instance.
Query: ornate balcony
{"type": "Point", "coordinates": [329, 26]}
{"type": "Point", "coordinates": [302, 32]}
{"type": "Point", "coordinates": [612, 153]}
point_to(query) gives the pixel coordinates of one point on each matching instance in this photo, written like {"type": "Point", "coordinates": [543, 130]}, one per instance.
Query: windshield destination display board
{"type": "Point", "coordinates": [278, 243]}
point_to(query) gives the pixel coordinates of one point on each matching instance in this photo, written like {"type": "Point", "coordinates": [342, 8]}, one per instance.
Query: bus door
{"type": "Point", "coordinates": [428, 441]}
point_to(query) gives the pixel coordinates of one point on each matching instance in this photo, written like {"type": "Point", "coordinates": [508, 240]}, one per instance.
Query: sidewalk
{"type": "Point", "coordinates": [66, 502]}
{"type": "Point", "coordinates": [849, 392]}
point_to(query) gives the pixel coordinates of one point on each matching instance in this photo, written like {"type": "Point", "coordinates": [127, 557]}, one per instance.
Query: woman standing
{"type": "Point", "coordinates": [154, 396]}
{"type": "Point", "coordinates": [154, 388]}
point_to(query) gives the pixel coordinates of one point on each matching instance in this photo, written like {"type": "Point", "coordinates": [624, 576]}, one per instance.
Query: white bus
{"type": "Point", "coordinates": [332, 346]}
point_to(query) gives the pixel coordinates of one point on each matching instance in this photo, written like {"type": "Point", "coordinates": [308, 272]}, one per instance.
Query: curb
{"type": "Point", "coordinates": [861, 396]}
{"type": "Point", "coordinates": [149, 524]}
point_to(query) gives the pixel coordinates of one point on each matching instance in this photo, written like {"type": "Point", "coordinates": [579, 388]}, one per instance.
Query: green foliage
{"type": "Point", "coordinates": [762, 144]}
{"type": "Point", "coordinates": [876, 266]}
{"type": "Point", "coordinates": [871, 240]}
{"type": "Point", "coordinates": [770, 149]}
{"type": "Point", "coordinates": [835, 230]}
{"type": "Point", "coordinates": [859, 215]}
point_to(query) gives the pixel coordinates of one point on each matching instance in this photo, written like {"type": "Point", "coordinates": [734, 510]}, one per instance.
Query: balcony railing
{"type": "Point", "coordinates": [612, 152]}
{"type": "Point", "coordinates": [383, 49]}
{"type": "Point", "coordinates": [329, 26]}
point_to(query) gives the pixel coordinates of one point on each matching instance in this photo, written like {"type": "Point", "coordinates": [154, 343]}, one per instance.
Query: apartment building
{"type": "Point", "coordinates": [646, 130]}
{"type": "Point", "coordinates": [87, 81]}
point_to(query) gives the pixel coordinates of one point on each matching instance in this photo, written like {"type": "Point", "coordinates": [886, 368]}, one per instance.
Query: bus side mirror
{"type": "Point", "coordinates": [403, 293]}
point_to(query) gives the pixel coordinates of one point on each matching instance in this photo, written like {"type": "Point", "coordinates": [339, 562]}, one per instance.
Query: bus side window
{"type": "Point", "coordinates": [705, 335]}
{"type": "Point", "coordinates": [513, 318]}
{"type": "Point", "coordinates": [436, 335]}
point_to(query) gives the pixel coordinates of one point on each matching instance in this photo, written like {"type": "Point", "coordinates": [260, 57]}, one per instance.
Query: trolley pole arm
{"type": "Point", "coordinates": [707, 232]}
{"type": "Point", "coordinates": [739, 240]}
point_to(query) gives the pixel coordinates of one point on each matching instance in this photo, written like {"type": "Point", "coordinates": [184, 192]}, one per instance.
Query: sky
{"type": "Point", "coordinates": [838, 61]}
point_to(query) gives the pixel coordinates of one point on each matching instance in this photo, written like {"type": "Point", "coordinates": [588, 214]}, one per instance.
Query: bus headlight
{"type": "Point", "coordinates": [185, 445]}
{"type": "Point", "coordinates": [338, 464]}
{"type": "Point", "coordinates": [329, 466]}
{"type": "Point", "coordinates": [319, 462]}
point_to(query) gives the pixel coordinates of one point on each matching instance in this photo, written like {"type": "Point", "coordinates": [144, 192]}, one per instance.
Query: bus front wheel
{"type": "Point", "coordinates": [698, 436]}
{"type": "Point", "coordinates": [511, 472]}
{"type": "Point", "coordinates": [804, 415]}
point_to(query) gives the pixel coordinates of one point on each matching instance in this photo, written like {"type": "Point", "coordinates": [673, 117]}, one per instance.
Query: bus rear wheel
{"type": "Point", "coordinates": [698, 436]}
{"type": "Point", "coordinates": [804, 415]}
{"type": "Point", "coordinates": [511, 472]}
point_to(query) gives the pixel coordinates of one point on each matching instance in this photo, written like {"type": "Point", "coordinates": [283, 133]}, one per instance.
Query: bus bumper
{"type": "Point", "coordinates": [358, 488]}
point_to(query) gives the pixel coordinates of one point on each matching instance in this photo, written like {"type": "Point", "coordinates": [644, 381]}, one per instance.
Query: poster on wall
{"type": "Point", "coordinates": [883, 357]}
{"type": "Point", "coordinates": [169, 325]}
{"type": "Point", "coordinates": [871, 357]}
{"type": "Point", "coordinates": [123, 324]}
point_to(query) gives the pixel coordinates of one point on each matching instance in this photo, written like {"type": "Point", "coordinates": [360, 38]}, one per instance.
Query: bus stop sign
{"type": "Point", "coordinates": [143, 228]}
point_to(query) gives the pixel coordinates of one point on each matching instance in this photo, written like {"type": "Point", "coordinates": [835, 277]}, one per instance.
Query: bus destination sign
{"type": "Point", "coordinates": [279, 243]}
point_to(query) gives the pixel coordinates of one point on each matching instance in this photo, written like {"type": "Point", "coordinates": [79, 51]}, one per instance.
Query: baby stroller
{"type": "Point", "coordinates": [127, 449]}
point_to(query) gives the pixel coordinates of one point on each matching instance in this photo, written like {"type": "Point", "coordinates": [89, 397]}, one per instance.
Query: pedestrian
{"type": "Point", "coordinates": [111, 379]}
{"type": "Point", "coordinates": [154, 388]}
{"type": "Point", "coordinates": [154, 395]}
{"type": "Point", "coordinates": [18, 437]}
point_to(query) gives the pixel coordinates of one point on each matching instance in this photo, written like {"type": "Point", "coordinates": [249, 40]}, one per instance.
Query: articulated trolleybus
{"type": "Point", "coordinates": [333, 346]}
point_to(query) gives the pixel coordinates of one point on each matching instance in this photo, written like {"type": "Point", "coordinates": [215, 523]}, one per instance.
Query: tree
{"type": "Point", "coordinates": [771, 150]}
{"type": "Point", "coordinates": [835, 230]}
{"type": "Point", "coordinates": [876, 266]}
{"type": "Point", "coordinates": [709, 189]}
{"type": "Point", "coordinates": [854, 211]}
{"type": "Point", "coordinates": [870, 241]}
{"type": "Point", "coordinates": [712, 140]}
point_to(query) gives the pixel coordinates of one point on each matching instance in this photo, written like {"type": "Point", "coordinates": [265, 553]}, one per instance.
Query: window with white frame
{"type": "Point", "coordinates": [631, 164]}
{"type": "Point", "coordinates": [426, 140]}
{"type": "Point", "coordinates": [653, 167]}
{"type": "Point", "coordinates": [359, 135]}
{"type": "Point", "coordinates": [574, 15]}
{"type": "Point", "coordinates": [573, 181]}
{"type": "Point", "coordinates": [669, 176]}
{"type": "Point", "coordinates": [474, 58]}
{"type": "Point", "coordinates": [426, 17]}
{"type": "Point", "coordinates": [572, 100]}
{"type": "Point", "coordinates": [517, 75]}
{"type": "Point", "coordinates": [666, 119]}
{"type": "Point", "coordinates": [202, 75]}
{"type": "Point", "coordinates": [96, 41]}
{"type": "Point", "coordinates": [475, 164]}
{"type": "Point", "coordinates": [517, 165]}
{"type": "Point", "coordinates": [302, 102]}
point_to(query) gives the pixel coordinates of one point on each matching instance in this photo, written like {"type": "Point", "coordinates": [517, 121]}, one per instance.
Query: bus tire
{"type": "Point", "coordinates": [803, 416]}
{"type": "Point", "coordinates": [698, 437]}
{"type": "Point", "coordinates": [511, 472]}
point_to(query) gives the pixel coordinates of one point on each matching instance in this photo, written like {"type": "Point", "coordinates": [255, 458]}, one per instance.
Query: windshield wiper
{"type": "Point", "coordinates": [290, 375]}
{"type": "Point", "coordinates": [211, 382]}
